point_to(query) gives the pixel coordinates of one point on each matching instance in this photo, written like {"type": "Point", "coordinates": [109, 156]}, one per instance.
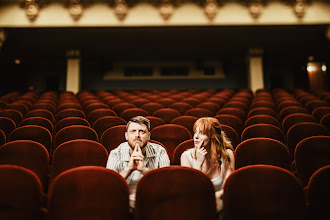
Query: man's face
{"type": "Point", "coordinates": [137, 133]}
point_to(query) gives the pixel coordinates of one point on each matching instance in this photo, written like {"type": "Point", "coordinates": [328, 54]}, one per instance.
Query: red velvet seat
{"type": "Point", "coordinates": [74, 132]}
{"type": "Point", "coordinates": [263, 130]}
{"type": "Point", "coordinates": [191, 101]}
{"type": "Point", "coordinates": [166, 102]}
{"type": "Point", "coordinates": [34, 133]}
{"type": "Point", "coordinates": [7, 125]}
{"type": "Point", "coordinates": [93, 106]}
{"type": "Point", "coordinates": [21, 194]}
{"type": "Point", "coordinates": [199, 112]}
{"type": "Point", "coordinates": [167, 114]}
{"type": "Point", "coordinates": [120, 107]}
{"type": "Point", "coordinates": [139, 102]}
{"type": "Point", "coordinates": [70, 121]}
{"type": "Point", "coordinates": [168, 193]}
{"type": "Point", "coordinates": [170, 135]}
{"type": "Point", "coordinates": [263, 192]}
{"type": "Point", "coordinates": [29, 154]}
{"type": "Point", "coordinates": [313, 104]}
{"type": "Point", "coordinates": [13, 114]}
{"type": "Point", "coordinates": [41, 113]}
{"type": "Point", "coordinates": [262, 151]}
{"type": "Point", "coordinates": [319, 112]}
{"type": "Point", "coordinates": [290, 110]}
{"type": "Point", "coordinates": [155, 121]}
{"type": "Point", "coordinates": [311, 154]}
{"type": "Point", "coordinates": [151, 107]}
{"type": "Point", "coordinates": [232, 121]}
{"type": "Point", "coordinates": [296, 118]}
{"type": "Point", "coordinates": [325, 121]}
{"type": "Point", "coordinates": [237, 104]}
{"type": "Point", "coordinates": [132, 112]}
{"type": "Point", "coordinates": [77, 153]}
{"type": "Point", "coordinates": [180, 149]}
{"type": "Point", "coordinates": [68, 105]}
{"type": "Point", "coordinates": [286, 103]}
{"type": "Point", "coordinates": [70, 112]}
{"type": "Point", "coordinates": [113, 136]}
{"type": "Point", "coordinates": [50, 106]}
{"type": "Point", "coordinates": [233, 111]}
{"type": "Point", "coordinates": [182, 107]}
{"type": "Point", "coordinates": [262, 111]}
{"type": "Point", "coordinates": [22, 108]}
{"type": "Point", "coordinates": [92, 191]}
{"type": "Point", "coordinates": [302, 130]}
{"type": "Point", "coordinates": [262, 103]}
{"type": "Point", "coordinates": [318, 192]}
{"type": "Point", "coordinates": [211, 106]}
{"type": "Point", "coordinates": [231, 134]}
{"type": "Point", "coordinates": [186, 121]}
{"type": "Point", "coordinates": [43, 122]}
{"type": "Point", "coordinates": [98, 113]}
{"type": "Point", "coordinates": [262, 119]}
{"type": "Point", "coordinates": [3, 137]}
{"type": "Point", "coordinates": [106, 122]}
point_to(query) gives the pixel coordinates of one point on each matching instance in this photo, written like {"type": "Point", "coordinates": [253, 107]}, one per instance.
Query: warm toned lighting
{"type": "Point", "coordinates": [121, 9]}
{"type": "Point", "coordinates": [17, 61]}
{"type": "Point", "coordinates": [75, 9]}
{"type": "Point", "coordinates": [324, 68]}
{"type": "Point", "coordinates": [211, 8]}
{"type": "Point", "coordinates": [166, 9]}
{"type": "Point", "coordinates": [255, 8]}
{"type": "Point", "coordinates": [299, 8]}
{"type": "Point", "coordinates": [31, 9]}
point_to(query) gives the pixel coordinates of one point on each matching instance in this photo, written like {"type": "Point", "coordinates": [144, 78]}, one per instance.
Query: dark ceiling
{"type": "Point", "coordinates": [147, 43]}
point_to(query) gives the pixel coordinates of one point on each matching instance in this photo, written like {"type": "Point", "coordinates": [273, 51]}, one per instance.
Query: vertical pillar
{"type": "Point", "coordinates": [256, 75]}
{"type": "Point", "coordinates": [73, 71]}
{"type": "Point", "coordinates": [2, 37]}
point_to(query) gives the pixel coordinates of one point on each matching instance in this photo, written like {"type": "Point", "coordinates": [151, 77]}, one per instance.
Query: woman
{"type": "Point", "coordinates": [213, 154]}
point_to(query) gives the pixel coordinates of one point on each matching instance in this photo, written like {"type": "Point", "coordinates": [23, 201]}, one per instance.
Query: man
{"type": "Point", "coordinates": [137, 156]}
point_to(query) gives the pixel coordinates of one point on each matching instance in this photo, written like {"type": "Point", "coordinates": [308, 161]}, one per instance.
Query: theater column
{"type": "Point", "coordinates": [256, 75]}
{"type": "Point", "coordinates": [2, 37]}
{"type": "Point", "coordinates": [73, 71]}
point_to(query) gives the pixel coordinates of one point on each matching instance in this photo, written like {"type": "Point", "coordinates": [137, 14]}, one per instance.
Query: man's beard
{"type": "Point", "coordinates": [134, 142]}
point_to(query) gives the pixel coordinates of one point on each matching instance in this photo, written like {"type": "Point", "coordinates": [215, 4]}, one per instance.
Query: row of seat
{"type": "Point", "coordinates": [93, 192]}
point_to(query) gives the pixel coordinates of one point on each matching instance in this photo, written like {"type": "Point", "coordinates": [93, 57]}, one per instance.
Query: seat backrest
{"type": "Point", "coordinates": [98, 113]}
{"type": "Point", "coordinates": [132, 112]}
{"type": "Point", "coordinates": [3, 137]}
{"type": "Point", "coordinates": [263, 130]}
{"type": "Point", "coordinates": [13, 114]}
{"type": "Point", "coordinates": [199, 112]}
{"type": "Point", "coordinates": [34, 133]}
{"type": "Point", "coordinates": [233, 111]}
{"type": "Point", "coordinates": [211, 106]}
{"type": "Point", "coordinates": [7, 125]}
{"type": "Point", "coordinates": [231, 135]}
{"type": "Point", "coordinates": [311, 154]}
{"type": "Point", "coordinates": [105, 122]}
{"type": "Point", "coordinates": [170, 135]}
{"type": "Point", "coordinates": [180, 149]}
{"type": "Point", "coordinates": [113, 136]}
{"type": "Point", "coordinates": [263, 192]}
{"type": "Point", "coordinates": [151, 107]}
{"type": "Point", "coordinates": [168, 192]}
{"type": "Point", "coordinates": [302, 130]}
{"type": "Point", "coordinates": [296, 118]}
{"type": "Point", "coordinates": [167, 114]}
{"type": "Point", "coordinates": [29, 154]}
{"type": "Point", "coordinates": [70, 112]}
{"type": "Point", "coordinates": [186, 121]}
{"type": "Point", "coordinates": [290, 110]}
{"type": "Point", "coordinates": [68, 105]}
{"type": "Point", "coordinates": [120, 107]}
{"type": "Point", "coordinates": [319, 112]}
{"type": "Point", "coordinates": [182, 107]}
{"type": "Point", "coordinates": [232, 121]}
{"type": "Point", "coordinates": [262, 151]}
{"type": "Point", "coordinates": [76, 153]}
{"type": "Point", "coordinates": [73, 132]}
{"type": "Point", "coordinates": [155, 121]}
{"type": "Point", "coordinates": [262, 111]}
{"type": "Point", "coordinates": [165, 101]}
{"type": "Point", "coordinates": [43, 122]}
{"type": "Point", "coordinates": [325, 121]}
{"type": "Point", "coordinates": [92, 191]}
{"type": "Point", "coordinates": [22, 108]}
{"type": "Point", "coordinates": [41, 113]}
{"type": "Point", "coordinates": [262, 119]}
{"type": "Point", "coordinates": [65, 122]}
{"type": "Point", "coordinates": [318, 192]}
{"type": "Point", "coordinates": [21, 193]}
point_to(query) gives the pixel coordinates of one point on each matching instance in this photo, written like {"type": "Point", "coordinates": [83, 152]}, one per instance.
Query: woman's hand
{"type": "Point", "coordinates": [200, 153]}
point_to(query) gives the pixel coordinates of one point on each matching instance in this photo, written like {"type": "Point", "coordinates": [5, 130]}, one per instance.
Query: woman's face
{"type": "Point", "coordinates": [199, 136]}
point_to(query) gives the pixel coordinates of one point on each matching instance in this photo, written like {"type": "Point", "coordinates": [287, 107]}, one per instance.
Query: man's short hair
{"type": "Point", "coordinates": [139, 120]}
